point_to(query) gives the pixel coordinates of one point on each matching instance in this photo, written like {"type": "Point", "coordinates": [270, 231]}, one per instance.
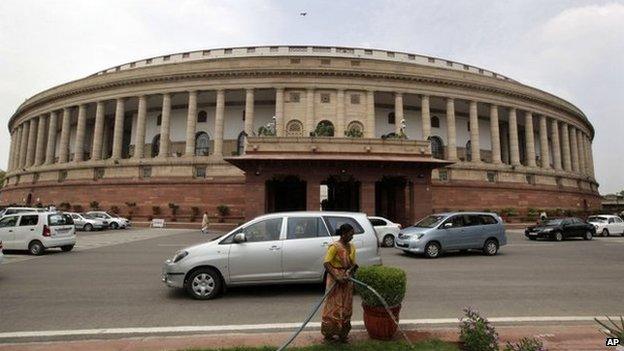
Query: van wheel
{"type": "Point", "coordinates": [204, 284]}
{"type": "Point", "coordinates": [432, 250]}
{"type": "Point", "coordinates": [388, 240]}
{"type": "Point", "coordinates": [88, 227]}
{"type": "Point", "coordinates": [605, 232]}
{"type": "Point", "coordinates": [588, 235]}
{"type": "Point", "coordinates": [67, 248]}
{"type": "Point", "coordinates": [490, 248]}
{"type": "Point", "coordinates": [36, 248]}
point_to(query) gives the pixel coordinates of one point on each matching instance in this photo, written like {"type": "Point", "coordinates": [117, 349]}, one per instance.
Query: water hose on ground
{"type": "Point", "coordinates": [318, 305]}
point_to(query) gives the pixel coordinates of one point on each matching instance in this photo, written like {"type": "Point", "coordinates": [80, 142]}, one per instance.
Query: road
{"type": "Point", "coordinates": [113, 281]}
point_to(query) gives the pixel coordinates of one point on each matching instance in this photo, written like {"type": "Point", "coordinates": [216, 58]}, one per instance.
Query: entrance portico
{"type": "Point", "coordinates": [391, 178]}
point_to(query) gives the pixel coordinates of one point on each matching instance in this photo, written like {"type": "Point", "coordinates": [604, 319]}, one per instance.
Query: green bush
{"type": "Point", "coordinates": [525, 344]}
{"type": "Point", "coordinates": [476, 333]}
{"type": "Point", "coordinates": [389, 282]}
{"type": "Point", "coordinates": [223, 210]}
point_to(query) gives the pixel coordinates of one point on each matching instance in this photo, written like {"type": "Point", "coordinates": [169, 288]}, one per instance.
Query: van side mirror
{"type": "Point", "coordinates": [240, 238]}
{"type": "Point", "coordinates": [448, 225]}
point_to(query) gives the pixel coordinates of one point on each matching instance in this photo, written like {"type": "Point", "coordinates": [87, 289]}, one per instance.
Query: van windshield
{"type": "Point", "coordinates": [429, 222]}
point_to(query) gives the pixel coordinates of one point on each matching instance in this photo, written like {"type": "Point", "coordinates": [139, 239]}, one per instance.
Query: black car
{"type": "Point", "coordinates": [561, 228]}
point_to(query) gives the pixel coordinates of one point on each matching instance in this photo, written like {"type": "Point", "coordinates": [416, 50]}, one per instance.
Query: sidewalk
{"type": "Point", "coordinates": [556, 338]}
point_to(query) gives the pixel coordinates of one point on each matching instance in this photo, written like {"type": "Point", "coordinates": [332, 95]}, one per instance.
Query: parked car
{"type": "Point", "coordinates": [87, 222]}
{"type": "Point", "coordinates": [386, 230]}
{"type": "Point", "coordinates": [607, 224]}
{"type": "Point", "coordinates": [37, 231]}
{"type": "Point", "coordinates": [277, 248]}
{"type": "Point", "coordinates": [114, 222]}
{"type": "Point", "coordinates": [559, 229]}
{"type": "Point", "coordinates": [443, 232]}
{"type": "Point", "coordinates": [14, 210]}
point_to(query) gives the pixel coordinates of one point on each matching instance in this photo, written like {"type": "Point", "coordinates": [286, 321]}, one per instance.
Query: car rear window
{"type": "Point", "coordinates": [60, 219]}
{"type": "Point", "coordinates": [377, 222]}
{"type": "Point", "coordinates": [334, 222]}
{"type": "Point", "coordinates": [29, 220]}
{"type": "Point", "coordinates": [487, 219]}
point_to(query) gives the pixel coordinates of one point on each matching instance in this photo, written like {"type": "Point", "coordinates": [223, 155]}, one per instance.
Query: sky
{"type": "Point", "coordinates": [573, 49]}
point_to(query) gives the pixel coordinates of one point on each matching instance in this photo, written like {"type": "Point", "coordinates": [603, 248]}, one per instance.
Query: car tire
{"type": "Point", "coordinates": [67, 248]}
{"type": "Point", "coordinates": [490, 248]}
{"type": "Point", "coordinates": [204, 284]}
{"type": "Point", "coordinates": [605, 232]}
{"type": "Point", "coordinates": [588, 235]}
{"type": "Point", "coordinates": [388, 240]}
{"type": "Point", "coordinates": [558, 236]}
{"type": "Point", "coordinates": [36, 248]}
{"type": "Point", "coordinates": [114, 226]}
{"type": "Point", "coordinates": [433, 250]}
{"type": "Point", "coordinates": [87, 227]}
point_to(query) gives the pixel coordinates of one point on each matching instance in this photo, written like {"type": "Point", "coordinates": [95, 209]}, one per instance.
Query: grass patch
{"type": "Point", "coordinates": [429, 345]}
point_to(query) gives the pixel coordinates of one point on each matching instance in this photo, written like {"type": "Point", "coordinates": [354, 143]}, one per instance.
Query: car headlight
{"type": "Point", "coordinates": [179, 255]}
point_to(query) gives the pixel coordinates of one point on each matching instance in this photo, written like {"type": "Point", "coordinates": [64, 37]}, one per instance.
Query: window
{"type": "Point", "coordinates": [146, 172]}
{"type": "Point", "coordinates": [200, 172]}
{"type": "Point", "coordinates": [240, 143]}
{"type": "Point", "coordinates": [206, 53]}
{"type": "Point", "coordinates": [59, 219]}
{"type": "Point", "coordinates": [29, 220]}
{"type": "Point", "coordinates": [333, 223]}
{"type": "Point", "coordinates": [377, 222]}
{"type": "Point", "coordinates": [456, 221]}
{"type": "Point", "coordinates": [62, 176]}
{"type": "Point", "coordinates": [294, 97]}
{"type": "Point", "coordinates": [202, 144]}
{"type": "Point", "coordinates": [306, 227]}
{"type": "Point", "coordinates": [148, 61]}
{"type": "Point", "coordinates": [75, 217]}
{"type": "Point", "coordinates": [443, 175]}
{"type": "Point", "coordinates": [8, 222]}
{"type": "Point", "coordinates": [155, 145]}
{"type": "Point", "coordinates": [267, 230]}
{"type": "Point", "coordinates": [227, 51]}
{"type": "Point", "coordinates": [611, 220]}
{"type": "Point", "coordinates": [485, 219]}
{"type": "Point", "coordinates": [355, 63]}
{"type": "Point", "coordinates": [468, 151]}
{"type": "Point", "coordinates": [186, 55]}
{"type": "Point", "coordinates": [274, 48]}
{"type": "Point", "coordinates": [202, 116]}
{"type": "Point", "coordinates": [618, 220]}
{"type": "Point", "coordinates": [294, 128]}
{"type": "Point", "coordinates": [390, 54]}
{"type": "Point", "coordinates": [324, 128]}
{"type": "Point", "coordinates": [368, 52]}
{"type": "Point", "coordinates": [411, 56]}
{"type": "Point", "coordinates": [435, 122]}
{"type": "Point", "coordinates": [251, 50]}
{"type": "Point", "coordinates": [355, 129]}
{"type": "Point", "coordinates": [98, 173]}
{"type": "Point", "coordinates": [530, 178]}
{"type": "Point", "coordinates": [325, 99]}
{"type": "Point", "coordinates": [166, 58]}
{"type": "Point", "coordinates": [158, 120]}
{"type": "Point", "coordinates": [437, 147]}
{"type": "Point", "coordinates": [355, 99]}
{"type": "Point", "coordinates": [491, 177]}
{"type": "Point", "coordinates": [391, 118]}
{"type": "Point", "coordinates": [449, 63]}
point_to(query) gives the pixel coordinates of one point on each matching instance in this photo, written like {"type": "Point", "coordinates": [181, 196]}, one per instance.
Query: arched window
{"type": "Point", "coordinates": [240, 143]}
{"type": "Point", "coordinates": [202, 117]}
{"type": "Point", "coordinates": [437, 147]}
{"type": "Point", "coordinates": [435, 122]}
{"type": "Point", "coordinates": [468, 151]}
{"type": "Point", "coordinates": [294, 128]}
{"type": "Point", "coordinates": [155, 145]}
{"type": "Point", "coordinates": [355, 129]}
{"type": "Point", "coordinates": [391, 118]}
{"type": "Point", "coordinates": [324, 128]}
{"type": "Point", "coordinates": [202, 144]}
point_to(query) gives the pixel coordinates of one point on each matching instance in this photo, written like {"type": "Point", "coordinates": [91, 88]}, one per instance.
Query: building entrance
{"type": "Point", "coordinates": [391, 198]}
{"type": "Point", "coordinates": [343, 194]}
{"type": "Point", "coordinates": [285, 193]}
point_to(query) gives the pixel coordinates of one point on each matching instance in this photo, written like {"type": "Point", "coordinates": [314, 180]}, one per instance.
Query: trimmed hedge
{"type": "Point", "coordinates": [389, 282]}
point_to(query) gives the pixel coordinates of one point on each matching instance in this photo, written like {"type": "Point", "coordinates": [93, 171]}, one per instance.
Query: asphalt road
{"type": "Point", "coordinates": [116, 284]}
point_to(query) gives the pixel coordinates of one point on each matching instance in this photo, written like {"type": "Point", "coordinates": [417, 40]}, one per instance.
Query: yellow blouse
{"type": "Point", "coordinates": [333, 258]}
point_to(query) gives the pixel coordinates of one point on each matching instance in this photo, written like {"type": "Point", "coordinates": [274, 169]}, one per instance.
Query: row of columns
{"type": "Point", "coordinates": [30, 148]}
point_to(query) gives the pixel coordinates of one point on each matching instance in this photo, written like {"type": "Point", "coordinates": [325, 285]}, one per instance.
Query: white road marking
{"type": "Point", "coordinates": [268, 327]}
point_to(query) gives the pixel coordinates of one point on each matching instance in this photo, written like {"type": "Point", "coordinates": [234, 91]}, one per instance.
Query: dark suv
{"type": "Point", "coordinates": [560, 228]}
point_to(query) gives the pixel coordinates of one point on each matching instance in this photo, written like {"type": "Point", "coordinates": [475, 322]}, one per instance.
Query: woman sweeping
{"type": "Point", "coordinates": [340, 265]}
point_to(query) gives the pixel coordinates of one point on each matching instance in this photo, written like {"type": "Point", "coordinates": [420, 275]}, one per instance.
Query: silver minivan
{"type": "Point", "coordinates": [454, 231]}
{"type": "Point", "coordinates": [277, 248]}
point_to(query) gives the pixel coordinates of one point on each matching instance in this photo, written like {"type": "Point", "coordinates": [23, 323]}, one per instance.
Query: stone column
{"type": "Point", "coordinates": [425, 114]}
{"type": "Point", "coordinates": [249, 111]}
{"type": "Point", "coordinates": [581, 158]}
{"type": "Point", "coordinates": [24, 146]}
{"type": "Point", "coordinates": [565, 136]}
{"type": "Point", "coordinates": [32, 140]}
{"type": "Point", "coordinates": [514, 147]}
{"type": "Point", "coordinates": [450, 130]}
{"type": "Point", "coordinates": [191, 124]}
{"type": "Point", "coordinates": [574, 149]}
{"type": "Point", "coordinates": [11, 151]}
{"type": "Point", "coordinates": [398, 112]}
{"type": "Point", "coordinates": [309, 116]}
{"type": "Point", "coordinates": [592, 169]}
{"type": "Point", "coordinates": [495, 135]}
{"type": "Point", "coordinates": [544, 154]}
{"type": "Point", "coordinates": [554, 130]}
{"type": "Point", "coordinates": [80, 133]}
{"type": "Point", "coordinates": [369, 131]}
{"type": "Point", "coordinates": [279, 112]}
{"type": "Point", "coordinates": [139, 140]}
{"type": "Point", "coordinates": [65, 133]}
{"type": "Point", "coordinates": [475, 146]}
{"type": "Point", "coordinates": [504, 143]}
{"type": "Point", "coordinates": [51, 145]}
{"type": "Point", "coordinates": [219, 117]}
{"type": "Point", "coordinates": [340, 114]}
{"type": "Point", "coordinates": [530, 141]}
{"type": "Point", "coordinates": [40, 149]}
{"type": "Point", "coordinates": [98, 132]}
{"type": "Point", "coordinates": [165, 126]}
{"type": "Point", "coordinates": [118, 128]}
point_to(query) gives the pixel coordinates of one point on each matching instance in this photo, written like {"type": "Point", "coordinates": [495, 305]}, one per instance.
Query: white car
{"type": "Point", "coordinates": [37, 231]}
{"type": "Point", "coordinates": [114, 222]}
{"type": "Point", "coordinates": [607, 225]}
{"type": "Point", "coordinates": [87, 222]}
{"type": "Point", "coordinates": [13, 210]}
{"type": "Point", "coordinates": [387, 231]}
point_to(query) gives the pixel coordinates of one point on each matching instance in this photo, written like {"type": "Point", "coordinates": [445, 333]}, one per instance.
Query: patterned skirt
{"type": "Point", "coordinates": [338, 309]}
